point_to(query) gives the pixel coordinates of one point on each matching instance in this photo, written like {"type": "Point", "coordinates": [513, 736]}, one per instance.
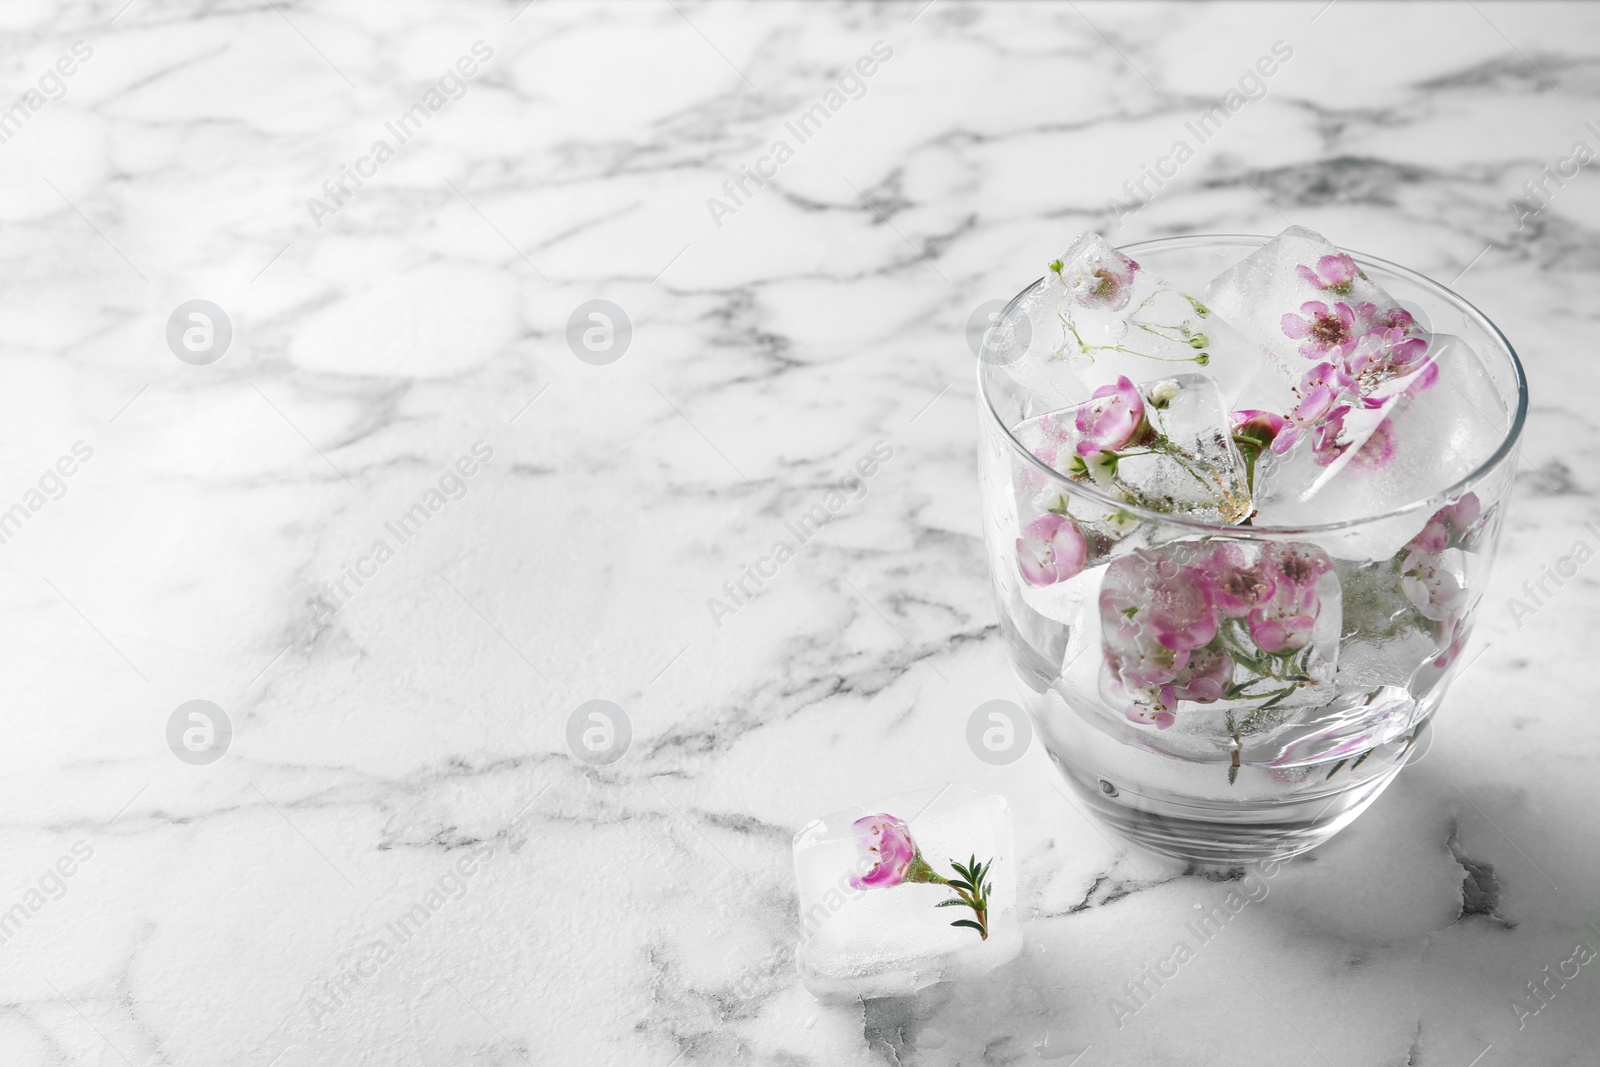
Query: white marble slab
{"type": "Point", "coordinates": [252, 911]}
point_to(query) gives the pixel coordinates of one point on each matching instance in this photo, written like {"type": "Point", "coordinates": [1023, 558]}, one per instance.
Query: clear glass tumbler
{"type": "Point", "coordinates": [1265, 744]}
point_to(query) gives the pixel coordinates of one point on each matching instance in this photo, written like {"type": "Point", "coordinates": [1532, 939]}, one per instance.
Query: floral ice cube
{"type": "Point", "coordinates": [1425, 440]}
{"type": "Point", "coordinates": [1250, 626]}
{"type": "Point", "coordinates": [903, 893]}
{"type": "Point", "coordinates": [1106, 317]}
{"type": "Point", "coordinates": [1351, 355]}
{"type": "Point", "coordinates": [1304, 300]}
{"type": "Point", "coordinates": [1166, 447]}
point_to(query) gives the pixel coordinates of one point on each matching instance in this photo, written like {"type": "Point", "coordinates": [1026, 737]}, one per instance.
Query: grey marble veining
{"type": "Point", "coordinates": [407, 749]}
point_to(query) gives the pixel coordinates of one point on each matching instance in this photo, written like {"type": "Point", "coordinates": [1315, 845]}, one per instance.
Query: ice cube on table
{"type": "Point", "coordinates": [1266, 296]}
{"type": "Point", "coordinates": [872, 924]}
{"type": "Point", "coordinates": [1101, 315]}
{"type": "Point", "coordinates": [1432, 438]}
{"type": "Point", "coordinates": [1184, 463]}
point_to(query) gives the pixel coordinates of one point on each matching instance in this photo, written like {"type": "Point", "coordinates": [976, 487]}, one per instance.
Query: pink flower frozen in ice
{"type": "Point", "coordinates": [1234, 587]}
{"type": "Point", "coordinates": [1334, 273]}
{"type": "Point", "coordinates": [1051, 549]}
{"type": "Point", "coordinates": [1377, 451]}
{"type": "Point", "coordinates": [1179, 610]}
{"type": "Point", "coordinates": [1203, 679]}
{"type": "Point", "coordinates": [1462, 515]}
{"type": "Point", "coordinates": [1328, 442]}
{"type": "Point", "coordinates": [1433, 539]}
{"type": "Point", "coordinates": [1323, 330]}
{"type": "Point", "coordinates": [1369, 318]}
{"type": "Point", "coordinates": [1433, 591]}
{"type": "Point", "coordinates": [1294, 563]}
{"type": "Point", "coordinates": [1283, 622]}
{"type": "Point", "coordinates": [1319, 390]}
{"type": "Point", "coordinates": [1136, 657]}
{"type": "Point", "coordinates": [1255, 430]}
{"type": "Point", "coordinates": [1106, 286]}
{"type": "Point", "coordinates": [1159, 630]}
{"type": "Point", "coordinates": [1431, 584]}
{"type": "Point", "coordinates": [1455, 523]}
{"type": "Point", "coordinates": [888, 842]}
{"type": "Point", "coordinates": [1383, 355]}
{"type": "Point", "coordinates": [1111, 419]}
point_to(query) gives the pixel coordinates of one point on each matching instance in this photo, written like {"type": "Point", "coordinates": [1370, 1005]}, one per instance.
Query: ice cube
{"type": "Point", "coordinates": [1202, 630]}
{"type": "Point", "coordinates": [1173, 452]}
{"type": "Point", "coordinates": [1303, 299]}
{"type": "Point", "coordinates": [1104, 317]}
{"type": "Point", "coordinates": [1038, 370]}
{"type": "Point", "coordinates": [874, 922]}
{"type": "Point", "coordinates": [1433, 437]}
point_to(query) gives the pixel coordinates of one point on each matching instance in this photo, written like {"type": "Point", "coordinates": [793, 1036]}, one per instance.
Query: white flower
{"type": "Point", "coordinates": [1164, 393]}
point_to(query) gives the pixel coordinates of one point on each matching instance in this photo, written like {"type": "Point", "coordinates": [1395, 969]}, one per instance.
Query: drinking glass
{"type": "Point", "coordinates": [1263, 748]}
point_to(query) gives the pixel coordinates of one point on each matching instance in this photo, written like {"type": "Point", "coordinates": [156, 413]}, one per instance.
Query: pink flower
{"type": "Point", "coordinates": [1434, 538]}
{"type": "Point", "coordinates": [1324, 330]}
{"type": "Point", "coordinates": [888, 841]}
{"type": "Point", "coordinates": [1295, 563]}
{"type": "Point", "coordinates": [1204, 679]}
{"type": "Point", "coordinates": [1368, 318]}
{"type": "Point", "coordinates": [1234, 587]}
{"type": "Point", "coordinates": [1111, 419]}
{"type": "Point", "coordinates": [1284, 620]}
{"type": "Point", "coordinates": [1107, 286]}
{"type": "Point", "coordinates": [1256, 430]}
{"type": "Point", "coordinates": [1377, 451]}
{"type": "Point", "coordinates": [1455, 523]}
{"type": "Point", "coordinates": [1384, 355]}
{"type": "Point", "coordinates": [1327, 444]}
{"type": "Point", "coordinates": [1178, 609]}
{"type": "Point", "coordinates": [1051, 549]}
{"type": "Point", "coordinates": [1138, 661]}
{"type": "Point", "coordinates": [1434, 591]}
{"type": "Point", "coordinates": [1461, 516]}
{"type": "Point", "coordinates": [1319, 391]}
{"type": "Point", "coordinates": [1334, 272]}
{"type": "Point", "coordinates": [1134, 654]}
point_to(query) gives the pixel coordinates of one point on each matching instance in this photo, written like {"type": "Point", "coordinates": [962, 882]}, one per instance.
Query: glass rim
{"type": "Point", "coordinates": [1432, 501]}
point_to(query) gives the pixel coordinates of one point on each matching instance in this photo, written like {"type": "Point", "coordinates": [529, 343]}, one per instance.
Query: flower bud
{"type": "Point", "coordinates": [1164, 392]}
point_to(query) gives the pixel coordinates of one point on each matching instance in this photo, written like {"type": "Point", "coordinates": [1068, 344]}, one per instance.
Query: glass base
{"type": "Point", "coordinates": [1222, 832]}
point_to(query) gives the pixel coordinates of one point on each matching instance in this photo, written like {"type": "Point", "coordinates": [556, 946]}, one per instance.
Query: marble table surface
{"type": "Point", "coordinates": [396, 858]}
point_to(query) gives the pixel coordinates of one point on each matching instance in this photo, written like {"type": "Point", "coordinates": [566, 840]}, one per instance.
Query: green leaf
{"type": "Point", "coordinates": [1336, 767]}
{"type": "Point", "coordinates": [959, 884]}
{"type": "Point", "coordinates": [953, 902]}
{"type": "Point", "coordinates": [969, 923]}
{"type": "Point", "coordinates": [1359, 759]}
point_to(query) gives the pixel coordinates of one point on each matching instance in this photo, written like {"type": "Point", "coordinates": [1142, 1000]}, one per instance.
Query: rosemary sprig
{"type": "Point", "coordinates": [972, 891]}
